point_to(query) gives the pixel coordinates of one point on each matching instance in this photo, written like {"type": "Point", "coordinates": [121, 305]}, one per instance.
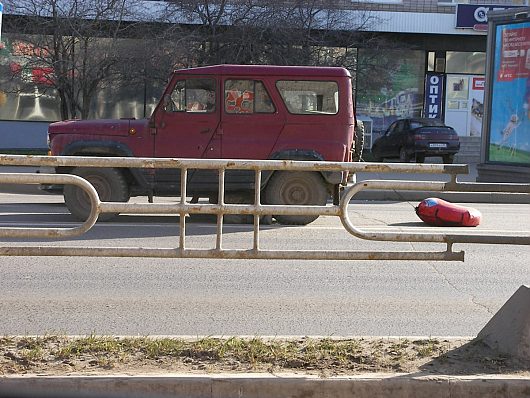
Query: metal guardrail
{"type": "Point", "coordinates": [257, 209]}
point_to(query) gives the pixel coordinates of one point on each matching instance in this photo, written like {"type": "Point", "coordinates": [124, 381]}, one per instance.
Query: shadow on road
{"type": "Point", "coordinates": [122, 227]}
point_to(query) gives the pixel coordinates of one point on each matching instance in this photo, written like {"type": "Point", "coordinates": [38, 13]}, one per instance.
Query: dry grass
{"type": "Point", "coordinates": [61, 355]}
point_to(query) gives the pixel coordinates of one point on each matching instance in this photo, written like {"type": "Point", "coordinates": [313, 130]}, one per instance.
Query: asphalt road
{"type": "Point", "coordinates": [135, 296]}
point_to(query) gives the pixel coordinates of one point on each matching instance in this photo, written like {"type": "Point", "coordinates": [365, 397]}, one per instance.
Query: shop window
{"type": "Point", "coordinates": [392, 86]}
{"type": "Point", "coordinates": [466, 62]}
{"type": "Point", "coordinates": [430, 61]}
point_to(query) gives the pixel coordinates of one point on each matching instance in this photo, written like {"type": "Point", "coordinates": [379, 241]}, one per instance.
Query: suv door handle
{"type": "Point", "coordinates": [204, 131]}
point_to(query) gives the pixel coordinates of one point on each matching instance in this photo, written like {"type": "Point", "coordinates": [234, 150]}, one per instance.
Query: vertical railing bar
{"type": "Point", "coordinates": [221, 202]}
{"type": "Point", "coordinates": [183, 194]}
{"type": "Point", "coordinates": [257, 203]}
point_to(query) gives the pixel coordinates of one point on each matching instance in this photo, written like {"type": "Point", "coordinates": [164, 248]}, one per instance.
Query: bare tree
{"type": "Point", "coordinates": [81, 47]}
{"type": "Point", "coordinates": [73, 44]}
{"type": "Point", "coordinates": [314, 32]}
{"type": "Point", "coordinates": [270, 31]}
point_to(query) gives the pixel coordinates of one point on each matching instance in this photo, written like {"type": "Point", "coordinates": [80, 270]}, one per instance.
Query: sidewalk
{"type": "Point", "coordinates": [462, 197]}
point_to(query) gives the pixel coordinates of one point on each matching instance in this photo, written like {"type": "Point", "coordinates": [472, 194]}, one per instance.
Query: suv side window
{"type": "Point", "coordinates": [303, 97]}
{"type": "Point", "coordinates": [192, 95]}
{"type": "Point", "coordinates": [247, 96]}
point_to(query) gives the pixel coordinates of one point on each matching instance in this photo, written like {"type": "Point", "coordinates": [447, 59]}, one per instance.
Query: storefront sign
{"type": "Point", "coordinates": [434, 83]}
{"type": "Point", "coordinates": [475, 16]}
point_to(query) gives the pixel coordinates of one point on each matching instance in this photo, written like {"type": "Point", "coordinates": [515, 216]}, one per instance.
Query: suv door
{"type": "Point", "coordinates": [250, 121]}
{"type": "Point", "coordinates": [250, 126]}
{"type": "Point", "coordinates": [185, 124]}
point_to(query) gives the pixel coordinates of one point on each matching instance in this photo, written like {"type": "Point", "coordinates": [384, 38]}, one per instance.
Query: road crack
{"type": "Point", "coordinates": [473, 299]}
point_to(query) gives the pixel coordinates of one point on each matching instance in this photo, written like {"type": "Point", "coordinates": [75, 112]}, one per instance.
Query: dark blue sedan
{"type": "Point", "coordinates": [416, 138]}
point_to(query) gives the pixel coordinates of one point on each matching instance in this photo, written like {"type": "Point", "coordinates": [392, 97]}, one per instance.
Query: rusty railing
{"type": "Point", "coordinates": [183, 207]}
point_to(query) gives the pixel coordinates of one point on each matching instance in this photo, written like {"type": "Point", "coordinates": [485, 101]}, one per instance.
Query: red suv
{"type": "Point", "coordinates": [223, 112]}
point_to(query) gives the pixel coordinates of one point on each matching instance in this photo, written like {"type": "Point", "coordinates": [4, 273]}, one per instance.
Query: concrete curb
{"type": "Point", "coordinates": [260, 385]}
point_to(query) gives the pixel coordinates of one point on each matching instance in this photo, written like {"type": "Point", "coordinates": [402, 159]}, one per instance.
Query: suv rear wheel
{"type": "Point", "coordinates": [110, 185]}
{"type": "Point", "coordinates": [296, 188]}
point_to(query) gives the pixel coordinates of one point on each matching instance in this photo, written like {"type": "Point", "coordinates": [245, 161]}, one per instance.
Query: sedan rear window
{"type": "Point", "coordinates": [415, 124]}
{"type": "Point", "coordinates": [303, 97]}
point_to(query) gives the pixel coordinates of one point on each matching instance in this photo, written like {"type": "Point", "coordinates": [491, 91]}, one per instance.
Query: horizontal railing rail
{"type": "Point", "coordinates": [257, 209]}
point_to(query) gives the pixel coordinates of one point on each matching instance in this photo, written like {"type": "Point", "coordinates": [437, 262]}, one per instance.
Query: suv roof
{"type": "Point", "coordinates": [268, 70]}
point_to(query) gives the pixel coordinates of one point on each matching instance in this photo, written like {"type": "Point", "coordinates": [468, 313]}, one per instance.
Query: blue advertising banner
{"type": "Point", "coordinates": [509, 138]}
{"type": "Point", "coordinates": [475, 16]}
{"type": "Point", "coordinates": [434, 84]}
{"type": "Point", "coordinates": [1, 11]}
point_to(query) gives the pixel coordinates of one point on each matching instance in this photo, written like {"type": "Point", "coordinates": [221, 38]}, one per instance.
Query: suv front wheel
{"type": "Point", "coordinates": [110, 185]}
{"type": "Point", "coordinates": [296, 188]}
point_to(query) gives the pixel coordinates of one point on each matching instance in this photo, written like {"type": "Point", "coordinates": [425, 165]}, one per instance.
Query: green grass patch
{"type": "Point", "coordinates": [509, 155]}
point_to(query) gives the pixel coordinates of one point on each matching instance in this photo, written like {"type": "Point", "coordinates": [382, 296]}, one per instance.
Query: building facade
{"type": "Point", "coordinates": [434, 61]}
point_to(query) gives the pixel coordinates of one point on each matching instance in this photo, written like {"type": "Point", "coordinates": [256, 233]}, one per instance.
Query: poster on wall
{"type": "Point", "coordinates": [476, 108]}
{"type": "Point", "coordinates": [465, 104]}
{"type": "Point", "coordinates": [509, 138]}
{"type": "Point", "coordinates": [456, 106]}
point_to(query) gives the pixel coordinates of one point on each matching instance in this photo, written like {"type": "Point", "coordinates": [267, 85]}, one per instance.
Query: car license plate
{"type": "Point", "coordinates": [434, 145]}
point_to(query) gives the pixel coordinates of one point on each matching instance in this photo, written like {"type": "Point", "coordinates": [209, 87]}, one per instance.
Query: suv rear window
{"type": "Point", "coordinates": [304, 97]}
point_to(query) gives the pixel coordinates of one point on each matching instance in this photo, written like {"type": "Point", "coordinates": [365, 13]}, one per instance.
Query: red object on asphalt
{"type": "Point", "coordinates": [438, 212]}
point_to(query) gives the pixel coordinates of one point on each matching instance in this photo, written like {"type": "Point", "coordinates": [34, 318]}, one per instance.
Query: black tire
{"type": "Point", "coordinates": [403, 157]}
{"type": "Point", "coordinates": [448, 159]}
{"type": "Point", "coordinates": [358, 143]}
{"type": "Point", "coordinates": [110, 185]}
{"type": "Point", "coordinates": [375, 155]}
{"type": "Point", "coordinates": [296, 188]}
